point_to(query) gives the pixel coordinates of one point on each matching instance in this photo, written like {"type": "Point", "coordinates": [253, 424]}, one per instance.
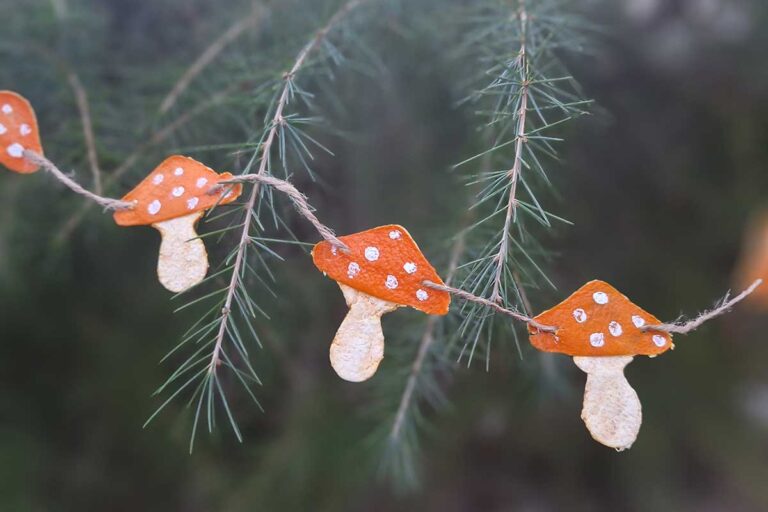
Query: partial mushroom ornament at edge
{"type": "Point", "coordinates": [382, 271]}
{"type": "Point", "coordinates": [172, 199]}
{"type": "Point", "coordinates": [603, 330]}
{"type": "Point", "coordinates": [18, 132]}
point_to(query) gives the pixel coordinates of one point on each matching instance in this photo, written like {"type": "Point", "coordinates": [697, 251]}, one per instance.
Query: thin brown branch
{"type": "Point", "coordinates": [266, 147]}
{"type": "Point", "coordinates": [462, 294]}
{"type": "Point", "coordinates": [209, 55]}
{"type": "Point", "coordinates": [725, 305]}
{"type": "Point", "coordinates": [514, 173]}
{"type": "Point", "coordinates": [424, 345]}
{"type": "Point", "coordinates": [83, 107]}
{"type": "Point", "coordinates": [81, 98]}
{"type": "Point", "coordinates": [107, 202]}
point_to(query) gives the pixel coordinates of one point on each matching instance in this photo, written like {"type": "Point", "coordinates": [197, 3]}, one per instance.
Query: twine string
{"type": "Point", "coordinates": [107, 202]}
{"type": "Point", "coordinates": [724, 306]}
{"type": "Point", "coordinates": [299, 201]}
{"type": "Point", "coordinates": [302, 205]}
{"type": "Point", "coordinates": [490, 304]}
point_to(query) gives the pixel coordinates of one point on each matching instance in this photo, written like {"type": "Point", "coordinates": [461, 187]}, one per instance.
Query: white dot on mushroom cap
{"type": "Point", "coordinates": [25, 130]}
{"type": "Point", "coordinates": [371, 253]}
{"type": "Point", "coordinates": [3, 129]}
{"type": "Point", "coordinates": [177, 191]}
{"type": "Point", "coordinates": [200, 183]}
{"type": "Point", "coordinates": [638, 321]}
{"type": "Point", "coordinates": [192, 202]}
{"type": "Point", "coordinates": [353, 269]}
{"type": "Point", "coordinates": [178, 171]}
{"type": "Point", "coordinates": [334, 251]}
{"type": "Point", "coordinates": [394, 235]}
{"type": "Point", "coordinates": [659, 340]}
{"type": "Point", "coordinates": [7, 109]}
{"type": "Point", "coordinates": [580, 315]}
{"type": "Point", "coordinates": [158, 179]}
{"type": "Point", "coordinates": [596, 339]}
{"type": "Point", "coordinates": [409, 267]}
{"type": "Point", "coordinates": [600, 297]}
{"type": "Point", "coordinates": [615, 328]}
{"type": "Point", "coordinates": [154, 207]}
{"type": "Point", "coordinates": [422, 295]}
{"type": "Point", "coordinates": [16, 150]}
{"type": "Point", "coordinates": [391, 282]}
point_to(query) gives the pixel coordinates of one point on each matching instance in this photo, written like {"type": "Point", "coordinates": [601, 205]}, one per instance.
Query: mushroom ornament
{"type": "Point", "coordinates": [753, 263]}
{"type": "Point", "coordinates": [18, 132]}
{"type": "Point", "coordinates": [602, 330]}
{"type": "Point", "coordinates": [382, 271]}
{"type": "Point", "coordinates": [172, 199]}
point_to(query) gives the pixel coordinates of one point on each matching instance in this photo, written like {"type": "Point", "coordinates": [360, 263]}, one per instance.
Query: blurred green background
{"type": "Point", "coordinates": [659, 184]}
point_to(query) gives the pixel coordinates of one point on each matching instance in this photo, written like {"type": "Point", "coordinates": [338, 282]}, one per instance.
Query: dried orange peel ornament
{"type": "Point", "coordinates": [603, 331]}
{"type": "Point", "coordinates": [18, 132]}
{"type": "Point", "coordinates": [753, 262]}
{"type": "Point", "coordinates": [382, 271]}
{"type": "Point", "coordinates": [172, 199]}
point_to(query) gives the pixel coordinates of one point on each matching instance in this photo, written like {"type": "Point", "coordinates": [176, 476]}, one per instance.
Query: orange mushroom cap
{"type": "Point", "coordinates": [597, 320]}
{"type": "Point", "coordinates": [177, 187]}
{"type": "Point", "coordinates": [753, 262]}
{"type": "Point", "coordinates": [18, 131]}
{"type": "Point", "coordinates": [386, 263]}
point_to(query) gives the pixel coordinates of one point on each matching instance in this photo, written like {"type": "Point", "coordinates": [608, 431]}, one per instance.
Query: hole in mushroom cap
{"type": "Point", "coordinates": [25, 130]}
{"type": "Point", "coordinates": [659, 340]}
{"type": "Point", "coordinates": [7, 109]}
{"type": "Point", "coordinates": [154, 207]}
{"type": "Point", "coordinates": [394, 234]}
{"type": "Point", "coordinates": [580, 315]}
{"type": "Point", "coordinates": [3, 129]}
{"type": "Point", "coordinates": [597, 339]}
{"type": "Point", "coordinates": [600, 297]}
{"type": "Point", "coordinates": [353, 269]}
{"type": "Point", "coordinates": [421, 295]}
{"type": "Point", "coordinates": [16, 150]}
{"type": "Point", "coordinates": [391, 282]}
{"type": "Point", "coordinates": [638, 321]}
{"type": "Point", "coordinates": [409, 267]}
{"type": "Point", "coordinates": [371, 253]}
{"type": "Point", "coordinates": [615, 328]}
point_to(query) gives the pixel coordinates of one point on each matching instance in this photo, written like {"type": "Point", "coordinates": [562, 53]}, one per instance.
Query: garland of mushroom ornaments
{"type": "Point", "coordinates": [378, 271]}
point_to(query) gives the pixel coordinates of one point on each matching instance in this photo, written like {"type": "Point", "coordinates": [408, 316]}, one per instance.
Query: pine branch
{"type": "Point", "coordinates": [425, 344]}
{"type": "Point", "coordinates": [527, 95]}
{"type": "Point", "coordinates": [514, 172]}
{"type": "Point", "coordinates": [210, 54]}
{"type": "Point", "coordinates": [278, 121]}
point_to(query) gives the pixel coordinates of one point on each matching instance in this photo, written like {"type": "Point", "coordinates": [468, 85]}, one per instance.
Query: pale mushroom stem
{"type": "Point", "coordinates": [183, 261]}
{"type": "Point", "coordinates": [358, 346]}
{"type": "Point", "coordinates": [612, 410]}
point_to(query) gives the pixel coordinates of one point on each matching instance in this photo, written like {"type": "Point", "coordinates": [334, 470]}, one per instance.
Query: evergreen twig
{"type": "Point", "coordinates": [81, 98]}
{"type": "Point", "coordinates": [209, 54]}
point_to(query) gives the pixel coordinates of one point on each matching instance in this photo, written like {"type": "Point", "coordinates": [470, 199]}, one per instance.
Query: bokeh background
{"type": "Point", "coordinates": [659, 183]}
